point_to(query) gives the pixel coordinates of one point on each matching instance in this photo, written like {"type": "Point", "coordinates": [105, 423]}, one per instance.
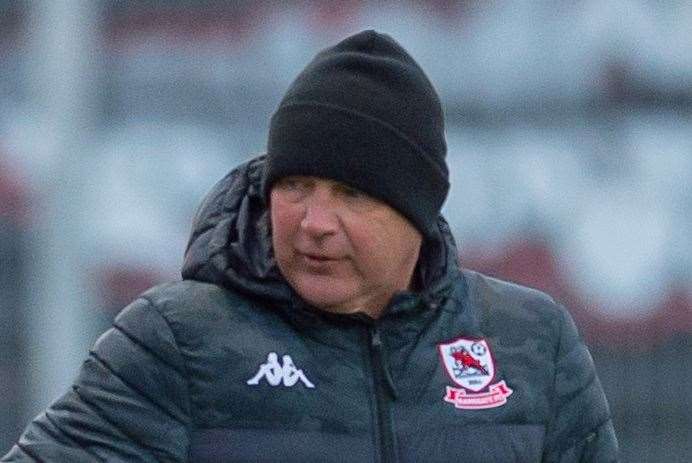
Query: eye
{"type": "Point", "coordinates": [288, 183]}
{"type": "Point", "coordinates": [356, 199]}
{"type": "Point", "coordinates": [352, 192]}
{"type": "Point", "coordinates": [292, 188]}
{"type": "Point", "coordinates": [291, 183]}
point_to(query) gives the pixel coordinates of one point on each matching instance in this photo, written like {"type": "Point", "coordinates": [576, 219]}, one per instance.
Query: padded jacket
{"type": "Point", "coordinates": [230, 365]}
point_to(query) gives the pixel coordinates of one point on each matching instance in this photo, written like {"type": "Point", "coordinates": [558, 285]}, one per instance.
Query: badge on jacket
{"type": "Point", "coordinates": [470, 365]}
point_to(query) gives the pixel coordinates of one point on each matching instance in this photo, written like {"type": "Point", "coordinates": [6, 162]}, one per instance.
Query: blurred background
{"type": "Point", "coordinates": [570, 146]}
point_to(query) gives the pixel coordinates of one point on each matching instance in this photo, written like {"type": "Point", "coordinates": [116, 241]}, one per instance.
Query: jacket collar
{"type": "Point", "coordinates": [230, 245]}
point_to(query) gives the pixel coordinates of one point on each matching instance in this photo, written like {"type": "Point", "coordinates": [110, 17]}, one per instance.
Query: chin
{"type": "Point", "coordinates": [326, 295]}
{"type": "Point", "coordinates": [326, 302]}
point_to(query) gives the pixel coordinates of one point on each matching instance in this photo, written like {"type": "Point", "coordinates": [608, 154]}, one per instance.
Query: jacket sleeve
{"type": "Point", "coordinates": [581, 429]}
{"type": "Point", "coordinates": [129, 402]}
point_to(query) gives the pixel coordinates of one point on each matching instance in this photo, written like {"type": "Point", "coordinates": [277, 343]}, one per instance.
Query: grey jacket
{"type": "Point", "coordinates": [230, 365]}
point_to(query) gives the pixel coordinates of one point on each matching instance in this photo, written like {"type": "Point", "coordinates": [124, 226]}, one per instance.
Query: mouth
{"type": "Point", "coordinates": [316, 259]}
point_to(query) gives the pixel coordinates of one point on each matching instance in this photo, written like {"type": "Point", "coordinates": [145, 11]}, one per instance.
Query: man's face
{"type": "Point", "coordinates": [340, 249]}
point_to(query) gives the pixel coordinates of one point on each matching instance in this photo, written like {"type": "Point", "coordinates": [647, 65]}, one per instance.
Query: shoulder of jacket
{"type": "Point", "coordinates": [480, 285]}
{"type": "Point", "coordinates": [190, 310]}
{"type": "Point", "coordinates": [190, 299]}
{"type": "Point", "coordinates": [505, 301]}
{"type": "Point", "coordinates": [178, 291]}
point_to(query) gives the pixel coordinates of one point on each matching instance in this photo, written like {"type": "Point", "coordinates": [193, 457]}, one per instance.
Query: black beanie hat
{"type": "Point", "coordinates": [364, 113]}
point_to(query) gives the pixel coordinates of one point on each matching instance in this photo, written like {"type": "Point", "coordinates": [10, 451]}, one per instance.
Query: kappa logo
{"type": "Point", "coordinates": [275, 373]}
{"type": "Point", "coordinates": [470, 364]}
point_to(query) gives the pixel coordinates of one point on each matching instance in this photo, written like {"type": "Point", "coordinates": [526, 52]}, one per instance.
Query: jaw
{"type": "Point", "coordinates": [323, 290]}
{"type": "Point", "coordinates": [338, 295]}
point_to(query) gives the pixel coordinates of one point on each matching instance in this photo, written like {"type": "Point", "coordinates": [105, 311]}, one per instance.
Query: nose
{"type": "Point", "coordinates": [320, 218]}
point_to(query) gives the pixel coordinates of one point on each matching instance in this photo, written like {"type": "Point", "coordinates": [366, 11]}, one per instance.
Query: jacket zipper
{"type": "Point", "coordinates": [384, 394]}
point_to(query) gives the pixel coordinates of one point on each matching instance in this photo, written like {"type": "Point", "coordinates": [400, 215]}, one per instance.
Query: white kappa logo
{"type": "Point", "coordinates": [276, 373]}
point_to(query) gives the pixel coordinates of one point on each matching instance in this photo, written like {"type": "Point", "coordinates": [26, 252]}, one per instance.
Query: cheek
{"type": "Point", "coordinates": [371, 251]}
{"type": "Point", "coordinates": [283, 225]}
{"type": "Point", "coordinates": [381, 250]}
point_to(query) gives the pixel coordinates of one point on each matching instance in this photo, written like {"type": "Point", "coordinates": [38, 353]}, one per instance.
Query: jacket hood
{"type": "Point", "coordinates": [230, 244]}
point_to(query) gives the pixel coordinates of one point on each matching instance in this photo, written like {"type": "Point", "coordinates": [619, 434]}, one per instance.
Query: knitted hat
{"type": "Point", "coordinates": [364, 113]}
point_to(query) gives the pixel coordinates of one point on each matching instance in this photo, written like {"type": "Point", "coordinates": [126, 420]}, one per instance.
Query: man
{"type": "Point", "coordinates": [323, 317]}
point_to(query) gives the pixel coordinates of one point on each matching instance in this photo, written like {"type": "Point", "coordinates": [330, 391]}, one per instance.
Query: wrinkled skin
{"type": "Point", "coordinates": [343, 251]}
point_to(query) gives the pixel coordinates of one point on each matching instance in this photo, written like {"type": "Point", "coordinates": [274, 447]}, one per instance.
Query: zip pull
{"type": "Point", "coordinates": [380, 357]}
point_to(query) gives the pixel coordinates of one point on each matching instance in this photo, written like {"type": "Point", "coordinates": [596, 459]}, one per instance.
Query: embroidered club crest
{"type": "Point", "coordinates": [470, 364]}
